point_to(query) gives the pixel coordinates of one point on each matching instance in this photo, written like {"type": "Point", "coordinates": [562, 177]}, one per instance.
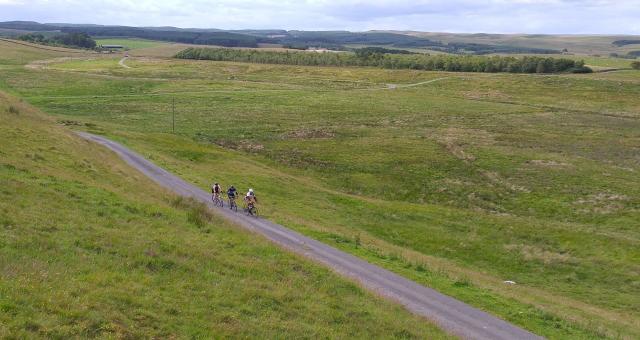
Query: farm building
{"type": "Point", "coordinates": [112, 47]}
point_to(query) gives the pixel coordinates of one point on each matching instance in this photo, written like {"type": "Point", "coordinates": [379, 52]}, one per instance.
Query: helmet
{"type": "Point", "coordinates": [250, 190]}
{"type": "Point", "coordinates": [232, 187]}
{"type": "Point", "coordinates": [216, 183]}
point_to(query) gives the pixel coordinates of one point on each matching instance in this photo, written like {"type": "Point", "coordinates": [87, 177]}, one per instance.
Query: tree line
{"type": "Point", "coordinates": [451, 63]}
{"type": "Point", "coordinates": [226, 39]}
{"type": "Point", "coordinates": [625, 42]}
{"type": "Point", "coordinates": [77, 40]}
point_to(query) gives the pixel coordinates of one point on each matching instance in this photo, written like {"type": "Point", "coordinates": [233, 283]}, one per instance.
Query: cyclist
{"type": "Point", "coordinates": [250, 199]}
{"type": "Point", "coordinates": [251, 196]}
{"type": "Point", "coordinates": [216, 189]}
{"type": "Point", "coordinates": [232, 193]}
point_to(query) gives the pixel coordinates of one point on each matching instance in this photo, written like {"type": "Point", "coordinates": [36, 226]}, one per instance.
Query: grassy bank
{"type": "Point", "coordinates": [89, 248]}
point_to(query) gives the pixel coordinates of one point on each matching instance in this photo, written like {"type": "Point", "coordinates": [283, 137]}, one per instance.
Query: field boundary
{"type": "Point", "coordinates": [42, 47]}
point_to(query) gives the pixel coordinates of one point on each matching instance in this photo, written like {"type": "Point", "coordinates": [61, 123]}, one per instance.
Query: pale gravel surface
{"type": "Point", "coordinates": [452, 315]}
{"type": "Point", "coordinates": [121, 62]}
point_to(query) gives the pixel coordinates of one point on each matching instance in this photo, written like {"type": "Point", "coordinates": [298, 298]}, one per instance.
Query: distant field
{"type": "Point", "coordinates": [605, 62]}
{"type": "Point", "coordinates": [130, 43]}
{"type": "Point", "coordinates": [580, 44]}
{"type": "Point", "coordinates": [459, 181]}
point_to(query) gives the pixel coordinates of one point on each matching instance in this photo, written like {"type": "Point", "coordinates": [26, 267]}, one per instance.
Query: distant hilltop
{"type": "Point", "coordinates": [476, 43]}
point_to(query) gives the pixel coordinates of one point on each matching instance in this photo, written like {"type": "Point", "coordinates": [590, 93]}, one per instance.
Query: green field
{"type": "Point", "coordinates": [460, 183]}
{"type": "Point", "coordinates": [90, 250]}
{"type": "Point", "coordinates": [130, 43]}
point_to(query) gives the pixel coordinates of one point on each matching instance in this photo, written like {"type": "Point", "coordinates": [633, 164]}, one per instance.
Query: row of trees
{"type": "Point", "coordinates": [367, 52]}
{"type": "Point", "coordinates": [78, 40]}
{"type": "Point", "coordinates": [452, 63]}
{"type": "Point", "coordinates": [227, 39]}
{"type": "Point", "coordinates": [625, 42]}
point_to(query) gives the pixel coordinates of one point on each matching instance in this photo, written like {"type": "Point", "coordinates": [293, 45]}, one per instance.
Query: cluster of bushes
{"type": "Point", "coordinates": [367, 52]}
{"type": "Point", "coordinates": [625, 42]}
{"type": "Point", "coordinates": [635, 65]}
{"type": "Point", "coordinates": [78, 40]}
{"type": "Point", "coordinates": [630, 55]}
{"type": "Point", "coordinates": [452, 63]}
{"type": "Point", "coordinates": [331, 47]}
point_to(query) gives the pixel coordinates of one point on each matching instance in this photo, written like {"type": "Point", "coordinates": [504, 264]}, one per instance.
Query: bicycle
{"type": "Point", "coordinates": [252, 210]}
{"type": "Point", "coordinates": [232, 204]}
{"type": "Point", "coordinates": [217, 201]}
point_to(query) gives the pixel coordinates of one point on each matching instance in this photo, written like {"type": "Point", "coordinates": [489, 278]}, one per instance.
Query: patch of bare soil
{"type": "Point", "coordinates": [454, 140]}
{"type": "Point", "coordinates": [43, 64]}
{"type": "Point", "coordinates": [309, 134]}
{"type": "Point", "coordinates": [495, 178]}
{"type": "Point", "coordinates": [602, 203]}
{"type": "Point", "coordinates": [488, 94]}
{"type": "Point", "coordinates": [548, 163]}
{"type": "Point", "coordinates": [533, 253]}
{"type": "Point", "coordinates": [456, 150]}
{"type": "Point", "coordinates": [243, 145]}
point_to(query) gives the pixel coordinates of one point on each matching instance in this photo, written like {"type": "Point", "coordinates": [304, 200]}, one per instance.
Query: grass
{"type": "Point", "coordinates": [130, 43]}
{"type": "Point", "coordinates": [16, 55]}
{"type": "Point", "coordinates": [459, 184]}
{"type": "Point", "coordinates": [89, 249]}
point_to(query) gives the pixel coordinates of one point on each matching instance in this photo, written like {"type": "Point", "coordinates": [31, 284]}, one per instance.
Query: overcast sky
{"type": "Point", "coordinates": [492, 16]}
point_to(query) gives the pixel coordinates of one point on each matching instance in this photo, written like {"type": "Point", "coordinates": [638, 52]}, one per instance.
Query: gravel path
{"type": "Point", "coordinates": [452, 315]}
{"type": "Point", "coordinates": [121, 62]}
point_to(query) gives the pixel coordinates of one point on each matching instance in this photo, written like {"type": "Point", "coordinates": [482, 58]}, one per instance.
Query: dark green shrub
{"type": "Point", "coordinates": [451, 63]}
{"type": "Point", "coordinates": [582, 69]}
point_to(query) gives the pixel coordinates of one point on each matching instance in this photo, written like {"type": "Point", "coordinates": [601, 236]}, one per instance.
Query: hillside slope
{"type": "Point", "coordinates": [88, 249]}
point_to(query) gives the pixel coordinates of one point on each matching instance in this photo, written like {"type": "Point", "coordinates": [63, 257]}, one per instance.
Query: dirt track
{"type": "Point", "coordinates": [121, 62]}
{"type": "Point", "coordinates": [452, 315]}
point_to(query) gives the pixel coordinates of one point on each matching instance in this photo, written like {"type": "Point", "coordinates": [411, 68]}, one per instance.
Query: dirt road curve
{"type": "Point", "coordinates": [452, 315]}
{"type": "Point", "coordinates": [121, 62]}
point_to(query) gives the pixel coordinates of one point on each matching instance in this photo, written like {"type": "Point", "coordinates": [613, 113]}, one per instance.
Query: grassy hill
{"type": "Point", "coordinates": [89, 248]}
{"type": "Point", "coordinates": [579, 44]}
{"type": "Point", "coordinates": [458, 181]}
{"type": "Point", "coordinates": [130, 43]}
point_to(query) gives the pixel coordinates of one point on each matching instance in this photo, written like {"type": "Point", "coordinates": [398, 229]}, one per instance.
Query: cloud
{"type": "Point", "coordinates": [495, 16]}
